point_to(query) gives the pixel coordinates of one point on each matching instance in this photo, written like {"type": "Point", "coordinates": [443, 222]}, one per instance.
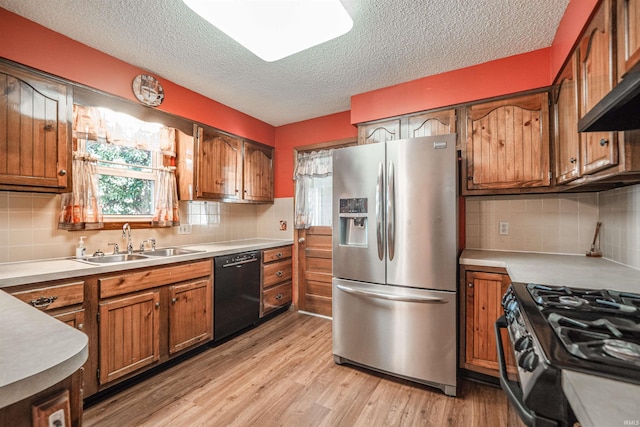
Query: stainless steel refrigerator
{"type": "Point", "coordinates": [394, 258]}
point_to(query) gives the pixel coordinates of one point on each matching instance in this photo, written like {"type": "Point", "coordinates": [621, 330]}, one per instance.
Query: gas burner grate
{"type": "Point", "coordinates": [589, 300]}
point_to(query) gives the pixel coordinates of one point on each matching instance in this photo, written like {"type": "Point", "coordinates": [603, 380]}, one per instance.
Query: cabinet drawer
{"type": "Point", "coordinates": [52, 297]}
{"type": "Point", "coordinates": [276, 297]}
{"type": "Point", "coordinates": [151, 278]}
{"type": "Point", "coordinates": [276, 272]}
{"type": "Point", "coordinates": [275, 254]}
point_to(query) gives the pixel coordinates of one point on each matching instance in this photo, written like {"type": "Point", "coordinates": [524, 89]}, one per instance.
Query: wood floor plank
{"type": "Point", "coordinates": [282, 374]}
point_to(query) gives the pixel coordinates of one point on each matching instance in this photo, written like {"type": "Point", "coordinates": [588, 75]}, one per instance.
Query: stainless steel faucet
{"type": "Point", "coordinates": [126, 233]}
{"type": "Point", "coordinates": [150, 240]}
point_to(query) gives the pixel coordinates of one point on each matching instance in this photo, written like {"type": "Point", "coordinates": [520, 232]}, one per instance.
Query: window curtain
{"type": "Point", "coordinates": [166, 210]}
{"type": "Point", "coordinates": [104, 125]}
{"type": "Point", "coordinates": [81, 209]}
{"type": "Point", "coordinates": [313, 176]}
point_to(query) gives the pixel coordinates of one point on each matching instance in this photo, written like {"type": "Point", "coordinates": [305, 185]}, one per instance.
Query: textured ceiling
{"type": "Point", "coordinates": [392, 41]}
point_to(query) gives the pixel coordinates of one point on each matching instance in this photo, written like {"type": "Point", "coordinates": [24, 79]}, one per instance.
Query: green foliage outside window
{"type": "Point", "coordinates": [124, 189]}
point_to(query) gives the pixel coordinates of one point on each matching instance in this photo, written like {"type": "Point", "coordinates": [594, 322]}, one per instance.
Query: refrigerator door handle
{"type": "Point", "coordinates": [400, 298]}
{"type": "Point", "coordinates": [379, 210]}
{"type": "Point", "coordinates": [391, 213]}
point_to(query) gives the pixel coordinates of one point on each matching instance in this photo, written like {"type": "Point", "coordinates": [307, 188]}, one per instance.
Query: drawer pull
{"type": "Point", "coordinates": [43, 302]}
{"type": "Point", "coordinates": [279, 255]}
{"type": "Point", "coordinates": [279, 273]}
{"type": "Point", "coordinates": [279, 297]}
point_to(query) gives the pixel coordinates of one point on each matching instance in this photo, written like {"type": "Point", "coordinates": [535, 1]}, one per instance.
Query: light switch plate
{"type": "Point", "coordinates": [184, 229]}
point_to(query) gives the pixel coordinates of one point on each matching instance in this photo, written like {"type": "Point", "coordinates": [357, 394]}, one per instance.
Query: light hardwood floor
{"type": "Point", "coordinates": [282, 374]}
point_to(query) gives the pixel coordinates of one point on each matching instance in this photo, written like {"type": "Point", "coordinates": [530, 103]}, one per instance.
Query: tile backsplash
{"type": "Point", "coordinates": [558, 223]}
{"type": "Point", "coordinates": [28, 226]}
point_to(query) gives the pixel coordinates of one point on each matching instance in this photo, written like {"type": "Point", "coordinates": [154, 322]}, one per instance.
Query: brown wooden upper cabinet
{"type": "Point", "coordinates": [628, 34]}
{"type": "Point", "coordinates": [408, 126]}
{"type": "Point", "coordinates": [597, 78]}
{"type": "Point", "coordinates": [567, 139]}
{"type": "Point", "coordinates": [34, 132]}
{"type": "Point", "coordinates": [507, 144]}
{"type": "Point", "coordinates": [382, 131]}
{"type": "Point", "coordinates": [258, 172]}
{"type": "Point", "coordinates": [217, 166]}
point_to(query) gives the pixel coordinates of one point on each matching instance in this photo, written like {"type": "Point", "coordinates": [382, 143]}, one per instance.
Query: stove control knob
{"type": "Point", "coordinates": [528, 360]}
{"type": "Point", "coordinates": [524, 343]}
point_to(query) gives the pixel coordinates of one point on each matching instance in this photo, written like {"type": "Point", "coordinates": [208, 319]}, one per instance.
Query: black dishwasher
{"type": "Point", "coordinates": [236, 295]}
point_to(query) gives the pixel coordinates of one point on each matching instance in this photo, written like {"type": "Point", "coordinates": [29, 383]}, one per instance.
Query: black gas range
{"type": "Point", "coordinates": [552, 328]}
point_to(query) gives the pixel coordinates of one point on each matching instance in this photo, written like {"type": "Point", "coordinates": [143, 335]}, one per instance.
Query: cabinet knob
{"type": "Point", "coordinates": [301, 240]}
{"type": "Point", "coordinates": [174, 300]}
{"type": "Point", "coordinates": [603, 142]}
{"type": "Point", "coordinates": [81, 326]}
{"type": "Point", "coordinates": [62, 172]}
{"type": "Point", "coordinates": [279, 273]}
{"type": "Point", "coordinates": [470, 178]}
{"type": "Point", "coordinates": [279, 255]}
{"type": "Point", "coordinates": [470, 285]}
{"type": "Point", "coordinates": [279, 297]}
{"type": "Point", "coordinates": [157, 305]}
{"type": "Point", "coordinates": [572, 160]}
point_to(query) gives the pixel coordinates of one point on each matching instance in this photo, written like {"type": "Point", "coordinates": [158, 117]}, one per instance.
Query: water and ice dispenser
{"type": "Point", "coordinates": [353, 222]}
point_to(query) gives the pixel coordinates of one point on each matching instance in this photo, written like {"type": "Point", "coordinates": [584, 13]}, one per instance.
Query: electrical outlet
{"type": "Point", "coordinates": [504, 228]}
{"type": "Point", "coordinates": [184, 229]}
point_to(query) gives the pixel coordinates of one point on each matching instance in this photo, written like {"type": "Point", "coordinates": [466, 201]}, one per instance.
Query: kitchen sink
{"type": "Point", "coordinates": [108, 259]}
{"type": "Point", "coordinates": [170, 252]}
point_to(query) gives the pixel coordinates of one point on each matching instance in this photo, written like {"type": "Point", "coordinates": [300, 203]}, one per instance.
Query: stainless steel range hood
{"type": "Point", "coordinates": [619, 110]}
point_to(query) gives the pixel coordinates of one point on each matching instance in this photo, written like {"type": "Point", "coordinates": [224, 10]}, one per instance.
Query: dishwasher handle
{"type": "Point", "coordinates": [240, 263]}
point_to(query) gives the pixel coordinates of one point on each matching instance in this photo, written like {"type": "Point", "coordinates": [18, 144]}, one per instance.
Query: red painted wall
{"type": "Point", "coordinates": [31, 44]}
{"type": "Point", "coordinates": [322, 129]}
{"type": "Point", "coordinates": [499, 77]}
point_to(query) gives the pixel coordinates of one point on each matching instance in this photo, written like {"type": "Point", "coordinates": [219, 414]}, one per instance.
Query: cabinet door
{"type": "Point", "coordinates": [628, 37]}
{"type": "Point", "coordinates": [190, 314]}
{"type": "Point", "coordinates": [599, 149]}
{"type": "Point", "coordinates": [379, 132]}
{"type": "Point", "coordinates": [258, 172]}
{"type": "Point", "coordinates": [508, 143]}
{"type": "Point", "coordinates": [483, 295]}
{"type": "Point", "coordinates": [567, 138]}
{"type": "Point", "coordinates": [129, 334]}
{"type": "Point", "coordinates": [74, 318]}
{"type": "Point", "coordinates": [33, 131]}
{"type": "Point", "coordinates": [429, 124]}
{"type": "Point", "coordinates": [219, 166]}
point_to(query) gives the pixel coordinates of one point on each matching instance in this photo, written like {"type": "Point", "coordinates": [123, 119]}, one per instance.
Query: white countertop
{"type": "Point", "coordinates": [19, 273]}
{"type": "Point", "coordinates": [596, 401]}
{"type": "Point", "coordinates": [38, 351]}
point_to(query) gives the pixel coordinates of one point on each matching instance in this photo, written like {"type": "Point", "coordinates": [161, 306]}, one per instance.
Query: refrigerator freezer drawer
{"type": "Point", "coordinates": [410, 333]}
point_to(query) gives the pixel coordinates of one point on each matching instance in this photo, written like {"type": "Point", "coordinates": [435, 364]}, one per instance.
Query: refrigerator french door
{"type": "Point", "coordinates": [394, 258]}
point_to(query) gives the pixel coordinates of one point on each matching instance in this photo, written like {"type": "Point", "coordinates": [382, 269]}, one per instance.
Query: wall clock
{"type": "Point", "coordinates": [148, 90]}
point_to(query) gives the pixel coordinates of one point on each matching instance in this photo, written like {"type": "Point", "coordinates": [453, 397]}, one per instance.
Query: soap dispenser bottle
{"type": "Point", "coordinates": [81, 251]}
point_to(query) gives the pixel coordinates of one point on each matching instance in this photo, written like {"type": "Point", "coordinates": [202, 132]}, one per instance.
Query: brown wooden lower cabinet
{"type": "Point", "coordinates": [481, 291]}
{"type": "Point", "coordinates": [149, 315]}
{"type": "Point", "coordinates": [129, 334]}
{"type": "Point", "coordinates": [275, 280]}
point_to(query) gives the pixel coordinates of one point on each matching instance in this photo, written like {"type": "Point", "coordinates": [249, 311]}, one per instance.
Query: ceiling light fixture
{"type": "Point", "coordinates": [274, 29]}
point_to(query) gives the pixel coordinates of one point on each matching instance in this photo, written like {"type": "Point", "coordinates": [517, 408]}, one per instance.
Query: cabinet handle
{"type": "Point", "coordinates": [279, 273]}
{"type": "Point", "coordinates": [470, 285]}
{"type": "Point", "coordinates": [572, 160]}
{"type": "Point", "coordinates": [174, 300]}
{"type": "Point", "coordinates": [43, 302]}
{"type": "Point", "coordinates": [80, 326]}
{"type": "Point", "coordinates": [279, 297]}
{"type": "Point", "coordinates": [62, 172]}
{"type": "Point", "coordinates": [279, 255]}
{"type": "Point", "coordinates": [603, 142]}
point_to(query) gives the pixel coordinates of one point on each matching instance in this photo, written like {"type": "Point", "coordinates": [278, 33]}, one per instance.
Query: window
{"type": "Point", "coordinates": [129, 153]}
